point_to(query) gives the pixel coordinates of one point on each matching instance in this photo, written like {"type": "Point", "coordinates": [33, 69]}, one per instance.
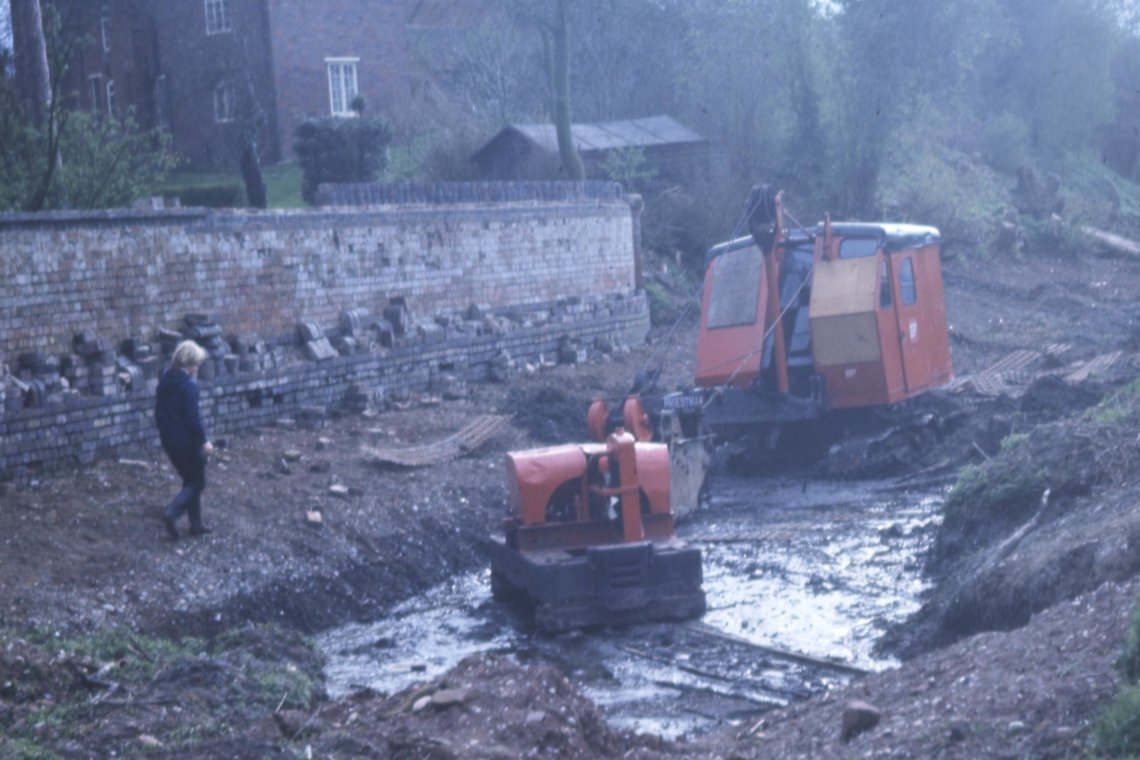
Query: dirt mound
{"type": "Point", "coordinates": [1025, 694]}
{"type": "Point", "coordinates": [486, 707]}
{"type": "Point", "coordinates": [1050, 397]}
{"type": "Point", "coordinates": [551, 415]}
{"type": "Point", "coordinates": [1047, 518]}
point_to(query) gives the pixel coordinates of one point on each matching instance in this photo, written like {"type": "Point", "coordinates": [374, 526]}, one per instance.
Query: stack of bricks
{"type": "Point", "coordinates": [314, 342]}
{"type": "Point", "coordinates": [279, 383]}
{"type": "Point", "coordinates": [353, 336]}
{"type": "Point", "coordinates": [205, 331]}
{"type": "Point", "coordinates": [251, 351]}
{"type": "Point", "coordinates": [92, 365]}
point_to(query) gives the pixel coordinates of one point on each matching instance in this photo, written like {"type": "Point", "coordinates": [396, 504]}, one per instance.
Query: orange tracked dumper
{"type": "Point", "coordinates": [590, 537]}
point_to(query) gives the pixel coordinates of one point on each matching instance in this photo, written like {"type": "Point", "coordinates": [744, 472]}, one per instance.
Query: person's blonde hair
{"type": "Point", "coordinates": [187, 354]}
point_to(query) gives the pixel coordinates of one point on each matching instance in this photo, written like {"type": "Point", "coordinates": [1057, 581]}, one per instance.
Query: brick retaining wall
{"type": "Point", "coordinates": [568, 260]}
{"type": "Point", "coordinates": [120, 273]}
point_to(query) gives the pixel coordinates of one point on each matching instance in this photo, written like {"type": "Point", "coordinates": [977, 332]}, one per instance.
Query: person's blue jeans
{"type": "Point", "coordinates": [191, 467]}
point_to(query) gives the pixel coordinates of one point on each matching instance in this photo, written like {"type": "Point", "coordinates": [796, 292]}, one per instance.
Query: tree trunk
{"type": "Point", "coordinates": [30, 54]}
{"type": "Point", "coordinates": [567, 151]}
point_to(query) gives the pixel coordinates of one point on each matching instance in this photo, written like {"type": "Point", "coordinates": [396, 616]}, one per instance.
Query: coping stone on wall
{"type": "Point", "coordinates": [434, 193]}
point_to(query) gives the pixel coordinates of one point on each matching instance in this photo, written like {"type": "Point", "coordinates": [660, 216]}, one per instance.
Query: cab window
{"type": "Point", "coordinates": [907, 289]}
{"type": "Point", "coordinates": [858, 248]}
{"type": "Point", "coordinates": [886, 299]}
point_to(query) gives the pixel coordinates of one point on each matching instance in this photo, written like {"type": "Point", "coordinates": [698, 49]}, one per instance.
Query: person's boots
{"type": "Point", "coordinates": [169, 522]}
{"type": "Point", "coordinates": [196, 526]}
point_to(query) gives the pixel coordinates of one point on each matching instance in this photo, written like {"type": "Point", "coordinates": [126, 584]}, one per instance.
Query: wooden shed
{"type": "Point", "coordinates": [673, 152]}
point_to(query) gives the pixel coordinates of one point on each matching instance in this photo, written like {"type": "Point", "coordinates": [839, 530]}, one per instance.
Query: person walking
{"type": "Point", "coordinates": [183, 435]}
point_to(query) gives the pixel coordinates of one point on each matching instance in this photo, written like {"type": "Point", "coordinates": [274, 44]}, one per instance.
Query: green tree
{"type": "Point", "coordinates": [63, 158]}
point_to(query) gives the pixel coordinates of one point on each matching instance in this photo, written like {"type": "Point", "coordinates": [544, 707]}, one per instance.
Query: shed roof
{"type": "Point", "coordinates": [608, 135]}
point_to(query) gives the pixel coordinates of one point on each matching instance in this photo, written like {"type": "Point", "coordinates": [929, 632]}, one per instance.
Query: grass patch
{"type": "Point", "coordinates": [17, 748]}
{"type": "Point", "coordinates": [283, 186]}
{"type": "Point", "coordinates": [1012, 441]}
{"type": "Point", "coordinates": [1116, 734]}
{"type": "Point", "coordinates": [221, 190]}
{"type": "Point", "coordinates": [61, 688]}
{"type": "Point", "coordinates": [1118, 408]}
{"type": "Point", "coordinates": [999, 486]}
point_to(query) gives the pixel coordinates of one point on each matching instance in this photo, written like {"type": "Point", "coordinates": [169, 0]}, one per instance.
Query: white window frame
{"type": "Point", "coordinates": [341, 94]}
{"type": "Point", "coordinates": [225, 103]}
{"type": "Point", "coordinates": [104, 27]}
{"type": "Point", "coordinates": [218, 17]}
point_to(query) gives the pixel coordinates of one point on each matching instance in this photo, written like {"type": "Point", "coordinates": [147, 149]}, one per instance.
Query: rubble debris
{"type": "Point", "coordinates": [570, 351]}
{"type": "Point", "coordinates": [431, 334]}
{"type": "Point", "coordinates": [502, 367]}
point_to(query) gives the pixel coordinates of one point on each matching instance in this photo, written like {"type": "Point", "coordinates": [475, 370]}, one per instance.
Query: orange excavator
{"type": "Point", "coordinates": [798, 325]}
{"type": "Point", "coordinates": [589, 539]}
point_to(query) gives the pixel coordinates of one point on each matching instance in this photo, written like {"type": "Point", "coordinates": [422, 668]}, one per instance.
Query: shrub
{"type": "Point", "coordinates": [1129, 662]}
{"type": "Point", "coordinates": [628, 166]}
{"type": "Point", "coordinates": [1117, 732]}
{"type": "Point", "coordinates": [662, 311]}
{"type": "Point", "coordinates": [436, 157]}
{"type": "Point", "coordinates": [101, 162]}
{"type": "Point", "coordinates": [332, 149]}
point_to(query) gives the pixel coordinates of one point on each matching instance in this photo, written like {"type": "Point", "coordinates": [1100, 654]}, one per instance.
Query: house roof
{"type": "Point", "coordinates": [608, 135]}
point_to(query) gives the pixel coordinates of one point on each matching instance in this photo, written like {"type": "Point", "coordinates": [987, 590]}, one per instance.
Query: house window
{"type": "Point", "coordinates": [224, 102]}
{"type": "Point", "coordinates": [217, 16]}
{"type": "Point", "coordinates": [105, 27]}
{"type": "Point", "coordinates": [96, 93]}
{"type": "Point", "coordinates": [342, 85]}
{"type": "Point", "coordinates": [110, 97]}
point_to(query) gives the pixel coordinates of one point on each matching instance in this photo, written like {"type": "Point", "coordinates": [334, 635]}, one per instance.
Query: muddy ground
{"type": "Point", "coordinates": [1052, 579]}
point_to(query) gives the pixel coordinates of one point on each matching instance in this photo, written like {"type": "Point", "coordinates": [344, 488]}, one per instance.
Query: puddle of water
{"type": "Point", "coordinates": [832, 565]}
{"type": "Point", "coordinates": [815, 569]}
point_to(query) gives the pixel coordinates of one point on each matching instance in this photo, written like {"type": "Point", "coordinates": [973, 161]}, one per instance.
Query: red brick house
{"type": "Point", "coordinates": [111, 58]}
{"type": "Point", "coordinates": [217, 72]}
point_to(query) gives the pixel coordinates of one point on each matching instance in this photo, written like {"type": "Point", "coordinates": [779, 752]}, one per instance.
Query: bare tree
{"type": "Point", "coordinates": [5, 28]}
{"type": "Point", "coordinates": [549, 17]}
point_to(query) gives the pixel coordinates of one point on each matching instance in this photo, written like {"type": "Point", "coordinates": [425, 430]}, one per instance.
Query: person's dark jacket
{"type": "Point", "coordinates": [176, 412]}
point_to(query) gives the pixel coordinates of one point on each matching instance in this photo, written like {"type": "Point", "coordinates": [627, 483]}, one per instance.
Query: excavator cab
{"type": "Point", "coordinates": [877, 314]}
{"type": "Point", "coordinates": [842, 315]}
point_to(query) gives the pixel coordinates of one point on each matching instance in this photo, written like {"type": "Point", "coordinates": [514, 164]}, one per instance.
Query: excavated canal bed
{"type": "Point", "coordinates": [801, 578]}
